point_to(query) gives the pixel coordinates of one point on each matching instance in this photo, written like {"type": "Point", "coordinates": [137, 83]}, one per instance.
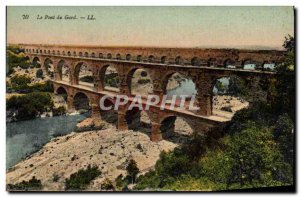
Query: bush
{"type": "Point", "coordinates": [107, 185]}
{"type": "Point", "coordinates": [81, 179]}
{"type": "Point", "coordinates": [132, 170]}
{"type": "Point", "coordinates": [39, 73]}
{"type": "Point", "coordinates": [15, 58]}
{"type": "Point", "coordinates": [88, 79]}
{"type": "Point", "coordinates": [20, 82]}
{"type": "Point", "coordinates": [61, 110]}
{"type": "Point", "coordinates": [30, 105]}
{"type": "Point", "coordinates": [144, 81]}
{"type": "Point", "coordinates": [32, 184]}
{"type": "Point", "coordinates": [55, 178]}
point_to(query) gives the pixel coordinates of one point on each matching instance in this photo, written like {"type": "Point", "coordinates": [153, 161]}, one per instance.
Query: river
{"type": "Point", "coordinates": [26, 137]}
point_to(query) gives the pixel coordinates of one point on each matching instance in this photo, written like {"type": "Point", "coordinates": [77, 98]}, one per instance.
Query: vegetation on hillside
{"type": "Point", "coordinates": [257, 149]}
{"type": "Point", "coordinates": [81, 179]}
{"type": "Point", "coordinates": [32, 185]}
{"type": "Point", "coordinates": [30, 105]}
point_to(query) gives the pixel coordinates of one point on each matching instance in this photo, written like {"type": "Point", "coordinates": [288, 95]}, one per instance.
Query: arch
{"type": "Point", "coordinates": [101, 55]}
{"type": "Point", "coordinates": [58, 52]}
{"type": "Point", "coordinates": [109, 56]}
{"type": "Point", "coordinates": [195, 61]}
{"type": "Point", "coordinates": [48, 51]}
{"type": "Point", "coordinates": [249, 64]}
{"type": "Point", "coordinates": [81, 101]}
{"type": "Point", "coordinates": [41, 51]}
{"type": "Point", "coordinates": [229, 63]}
{"type": "Point", "coordinates": [45, 51]}
{"type": "Point", "coordinates": [163, 59]}
{"type": "Point", "coordinates": [74, 53]}
{"type": "Point", "coordinates": [212, 62]}
{"type": "Point", "coordinates": [63, 71]}
{"type": "Point", "coordinates": [268, 65]}
{"type": "Point", "coordinates": [36, 62]}
{"type": "Point", "coordinates": [139, 82]}
{"type": "Point", "coordinates": [63, 92]}
{"type": "Point", "coordinates": [69, 53]}
{"type": "Point", "coordinates": [49, 67]}
{"type": "Point", "coordinates": [137, 119]}
{"type": "Point", "coordinates": [110, 116]}
{"type": "Point", "coordinates": [109, 78]}
{"type": "Point", "coordinates": [118, 56]}
{"type": "Point", "coordinates": [128, 57]}
{"type": "Point", "coordinates": [86, 54]}
{"type": "Point", "coordinates": [175, 128]}
{"type": "Point", "coordinates": [80, 54]}
{"type": "Point", "coordinates": [226, 97]}
{"type": "Point", "coordinates": [93, 55]}
{"type": "Point", "coordinates": [53, 52]}
{"type": "Point", "coordinates": [151, 58]}
{"type": "Point", "coordinates": [30, 51]}
{"type": "Point", "coordinates": [63, 53]}
{"type": "Point", "coordinates": [176, 83]}
{"type": "Point", "coordinates": [83, 74]}
{"type": "Point", "coordinates": [178, 60]}
{"type": "Point", "coordinates": [139, 58]}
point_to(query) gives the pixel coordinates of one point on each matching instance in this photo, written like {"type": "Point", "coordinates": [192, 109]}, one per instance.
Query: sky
{"type": "Point", "coordinates": [203, 27]}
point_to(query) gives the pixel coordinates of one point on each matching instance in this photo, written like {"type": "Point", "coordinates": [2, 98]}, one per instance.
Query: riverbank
{"type": "Point", "coordinates": [109, 149]}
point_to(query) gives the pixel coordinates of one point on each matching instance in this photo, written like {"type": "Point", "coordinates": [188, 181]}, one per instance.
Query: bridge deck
{"type": "Point", "coordinates": [217, 117]}
{"type": "Point", "coordinates": [153, 64]}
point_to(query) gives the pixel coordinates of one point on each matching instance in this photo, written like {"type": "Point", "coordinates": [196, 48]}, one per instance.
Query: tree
{"type": "Point", "coordinates": [285, 86]}
{"type": "Point", "coordinates": [39, 73]}
{"type": "Point", "coordinates": [132, 170]}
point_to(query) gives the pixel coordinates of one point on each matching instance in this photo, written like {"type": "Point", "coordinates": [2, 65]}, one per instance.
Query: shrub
{"type": "Point", "coordinates": [39, 73]}
{"type": "Point", "coordinates": [20, 82]}
{"type": "Point", "coordinates": [107, 185]}
{"type": "Point", "coordinates": [32, 184]}
{"type": "Point", "coordinates": [132, 170]}
{"type": "Point", "coordinates": [81, 179]}
{"type": "Point", "coordinates": [55, 178]}
{"type": "Point", "coordinates": [61, 110]}
{"type": "Point", "coordinates": [88, 79]}
{"type": "Point", "coordinates": [30, 105]}
{"type": "Point", "coordinates": [144, 81]}
{"type": "Point", "coordinates": [15, 58]}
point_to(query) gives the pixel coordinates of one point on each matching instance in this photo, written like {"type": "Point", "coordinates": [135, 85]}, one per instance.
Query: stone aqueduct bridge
{"type": "Point", "coordinates": [203, 66]}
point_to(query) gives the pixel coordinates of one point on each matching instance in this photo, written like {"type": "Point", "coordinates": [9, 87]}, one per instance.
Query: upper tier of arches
{"type": "Point", "coordinates": [222, 62]}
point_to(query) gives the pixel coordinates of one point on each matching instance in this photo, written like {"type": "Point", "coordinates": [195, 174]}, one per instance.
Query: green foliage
{"type": "Point", "coordinates": [285, 84]}
{"type": "Point", "coordinates": [88, 79]}
{"type": "Point", "coordinates": [236, 87]}
{"type": "Point", "coordinates": [284, 135]}
{"type": "Point", "coordinates": [132, 170]}
{"type": "Point", "coordinates": [30, 105]}
{"type": "Point", "coordinates": [81, 179]}
{"type": "Point", "coordinates": [143, 81]}
{"type": "Point", "coordinates": [220, 87]}
{"type": "Point", "coordinates": [32, 184]}
{"type": "Point", "coordinates": [15, 58]}
{"type": "Point", "coordinates": [20, 82]}
{"type": "Point", "coordinates": [55, 178]}
{"type": "Point", "coordinates": [58, 111]}
{"type": "Point", "coordinates": [41, 87]}
{"type": "Point", "coordinates": [111, 80]}
{"type": "Point", "coordinates": [121, 182]}
{"type": "Point", "coordinates": [255, 162]}
{"type": "Point", "coordinates": [107, 185]}
{"type": "Point", "coordinates": [39, 73]}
